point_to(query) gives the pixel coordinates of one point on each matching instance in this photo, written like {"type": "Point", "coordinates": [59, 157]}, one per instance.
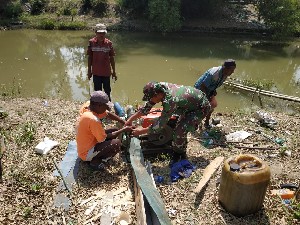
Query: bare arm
{"type": "Point", "coordinates": [113, 116]}
{"type": "Point", "coordinates": [89, 73]}
{"type": "Point", "coordinates": [113, 67]}
{"type": "Point", "coordinates": [140, 131]}
{"type": "Point", "coordinates": [133, 118]}
{"type": "Point", "coordinates": [116, 133]}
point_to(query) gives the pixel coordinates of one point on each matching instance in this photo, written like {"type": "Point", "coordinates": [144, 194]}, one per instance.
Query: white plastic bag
{"type": "Point", "coordinates": [45, 146]}
{"type": "Point", "coordinates": [237, 136]}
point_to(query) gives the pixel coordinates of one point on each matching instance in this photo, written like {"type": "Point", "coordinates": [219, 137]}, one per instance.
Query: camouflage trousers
{"type": "Point", "coordinates": [188, 122]}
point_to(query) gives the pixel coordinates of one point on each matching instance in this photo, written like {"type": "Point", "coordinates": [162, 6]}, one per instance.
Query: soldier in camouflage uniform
{"type": "Point", "coordinates": [189, 103]}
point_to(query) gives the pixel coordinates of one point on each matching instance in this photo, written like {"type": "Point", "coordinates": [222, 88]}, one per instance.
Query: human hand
{"type": "Point", "coordinates": [128, 123]}
{"type": "Point", "coordinates": [127, 129]}
{"type": "Point", "coordinates": [114, 76]}
{"type": "Point", "coordinates": [139, 131]}
{"type": "Point", "coordinates": [89, 75]}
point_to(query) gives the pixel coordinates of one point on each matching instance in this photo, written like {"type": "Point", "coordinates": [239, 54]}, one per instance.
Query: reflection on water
{"type": "Point", "coordinates": [54, 63]}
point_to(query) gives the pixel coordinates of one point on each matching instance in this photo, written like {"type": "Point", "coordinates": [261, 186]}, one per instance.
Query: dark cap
{"type": "Point", "coordinates": [151, 89]}
{"type": "Point", "coordinates": [101, 97]}
{"type": "Point", "coordinates": [229, 63]}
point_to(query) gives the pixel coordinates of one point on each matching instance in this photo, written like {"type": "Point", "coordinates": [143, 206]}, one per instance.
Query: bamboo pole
{"type": "Point", "coordinates": [273, 94]}
{"type": "Point", "coordinates": [263, 92]}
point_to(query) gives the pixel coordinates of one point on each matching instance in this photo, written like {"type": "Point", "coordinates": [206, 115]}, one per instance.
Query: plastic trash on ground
{"type": "Point", "coordinates": [283, 193]}
{"type": "Point", "coordinates": [265, 118]}
{"type": "Point", "coordinates": [238, 136]}
{"type": "Point", "coordinates": [45, 146]}
{"type": "Point", "coordinates": [158, 179]}
{"type": "Point", "coordinates": [181, 169]}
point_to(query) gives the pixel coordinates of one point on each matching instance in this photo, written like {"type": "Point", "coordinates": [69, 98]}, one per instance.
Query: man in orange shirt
{"type": "Point", "coordinates": [94, 143]}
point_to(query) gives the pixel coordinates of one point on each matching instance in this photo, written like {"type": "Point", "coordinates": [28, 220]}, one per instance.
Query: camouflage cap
{"type": "Point", "coordinates": [100, 28]}
{"type": "Point", "coordinates": [151, 89]}
{"type": "Point", "coordinates": [101, 97]}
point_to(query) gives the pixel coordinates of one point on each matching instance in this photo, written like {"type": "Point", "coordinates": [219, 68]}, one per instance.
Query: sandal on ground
{"type": "Point", "coordinates": [97, 167]}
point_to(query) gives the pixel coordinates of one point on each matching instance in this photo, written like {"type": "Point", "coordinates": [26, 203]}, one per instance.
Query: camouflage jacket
{"type": "Point", "coordinates": [178, 100]}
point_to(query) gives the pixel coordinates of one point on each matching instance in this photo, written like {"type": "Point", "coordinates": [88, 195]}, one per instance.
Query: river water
{"type": "Point", "coordinates": [54, 63]}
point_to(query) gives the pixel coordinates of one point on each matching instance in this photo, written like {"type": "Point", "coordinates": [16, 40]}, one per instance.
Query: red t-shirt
{"type": "Point", "coordinates": [100, 53]}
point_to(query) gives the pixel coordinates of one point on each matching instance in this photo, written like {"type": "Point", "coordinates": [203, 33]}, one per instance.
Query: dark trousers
{"type": "Point", "coordinates": [99, 82]}
{"type": "Point", "coordinates": [107, 148]}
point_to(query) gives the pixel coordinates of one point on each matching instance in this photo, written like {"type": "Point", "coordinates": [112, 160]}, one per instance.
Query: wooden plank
{"type": "Point", "coordinates": [208, 172]}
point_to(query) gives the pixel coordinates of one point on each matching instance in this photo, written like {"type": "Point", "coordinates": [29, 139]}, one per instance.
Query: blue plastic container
{"type": "Point", "coordinates": [119, 109]}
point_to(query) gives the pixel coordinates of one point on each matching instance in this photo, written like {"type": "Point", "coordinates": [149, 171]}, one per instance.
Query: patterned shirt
{"type": "Point", "coordinates": [178, 100]}
{"type": "Point", "coordinates": [100, 53]}
{"type": "Point", "coordinates": [212, 79]}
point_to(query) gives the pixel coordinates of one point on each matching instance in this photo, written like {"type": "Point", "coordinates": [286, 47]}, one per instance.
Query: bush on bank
{"type": "Point", "coordinates": [281, 16]}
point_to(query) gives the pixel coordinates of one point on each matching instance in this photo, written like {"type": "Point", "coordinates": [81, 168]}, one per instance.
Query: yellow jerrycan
{"type": "Point", "coordinates": [244, 183]}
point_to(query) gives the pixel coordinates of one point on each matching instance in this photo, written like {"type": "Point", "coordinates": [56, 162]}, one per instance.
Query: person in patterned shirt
{"type": "Point", "coordinates": [101, 61]}
{"type": "Point", "coordinates": [211, 80]}
{"type": "Point", "coordinates": [189, 103]}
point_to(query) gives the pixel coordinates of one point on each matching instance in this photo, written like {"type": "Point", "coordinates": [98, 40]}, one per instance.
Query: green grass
{"type": "Point", "coordinates": [54, 22]}
{"type": "Point", "coordinates": [260, 84]}
{"type": "Point", "coordinates": [26, 134]}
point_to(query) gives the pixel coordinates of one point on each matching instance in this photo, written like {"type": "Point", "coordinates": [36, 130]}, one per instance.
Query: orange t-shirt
{"type": "Point", "coordinates": [89, 132]}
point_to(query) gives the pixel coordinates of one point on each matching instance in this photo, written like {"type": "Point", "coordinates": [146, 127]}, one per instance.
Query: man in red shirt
{"type": "Point", "coordinates": [101, 61]}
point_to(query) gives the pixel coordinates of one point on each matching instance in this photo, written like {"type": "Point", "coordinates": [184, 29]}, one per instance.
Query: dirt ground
{"type": "Point", "coordinates": [28, 188]}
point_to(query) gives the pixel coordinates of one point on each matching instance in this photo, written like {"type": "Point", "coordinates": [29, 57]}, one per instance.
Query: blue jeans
{"type": "Point", "coordinates": [99, 82]}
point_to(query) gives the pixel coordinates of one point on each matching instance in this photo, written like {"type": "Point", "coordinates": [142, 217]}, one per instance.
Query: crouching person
{"type": "Point", "coordinates": [189, 103]}
{"type": "Point", "coordinates": [94, 143]}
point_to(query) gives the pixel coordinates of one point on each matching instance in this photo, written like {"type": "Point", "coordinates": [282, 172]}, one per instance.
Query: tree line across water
{"type": "Point", "coordinates": [281, 17]}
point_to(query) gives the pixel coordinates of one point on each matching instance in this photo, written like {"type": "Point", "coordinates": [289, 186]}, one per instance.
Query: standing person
{"type": "Point", "coordinates": [189, 103]}
{"type": "Point", "coordinates": [94, 143]}
{"type": "Point", "coordinates": [101, 61]}
{"type": "Point", "coordinates": [211, 80]}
